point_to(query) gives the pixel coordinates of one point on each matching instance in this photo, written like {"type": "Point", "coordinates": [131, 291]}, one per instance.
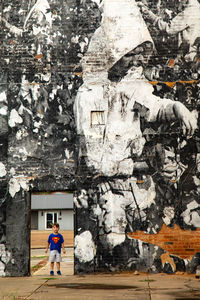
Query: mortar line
{"type": "Point", "coordinates": [36, 289]}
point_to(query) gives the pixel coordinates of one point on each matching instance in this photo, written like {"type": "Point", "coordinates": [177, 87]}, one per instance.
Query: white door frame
{"type": "Point", "coordinates": [50, 212]}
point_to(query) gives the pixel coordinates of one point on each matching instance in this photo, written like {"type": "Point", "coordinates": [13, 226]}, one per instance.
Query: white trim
{"type": "Point", "coordinates": [50, 212]}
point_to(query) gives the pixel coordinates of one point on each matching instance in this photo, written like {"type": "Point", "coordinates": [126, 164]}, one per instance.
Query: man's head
{"type": "Point", "coordinates": [133, 59]}
{"type": "Point", "coordinates": [55, 227]}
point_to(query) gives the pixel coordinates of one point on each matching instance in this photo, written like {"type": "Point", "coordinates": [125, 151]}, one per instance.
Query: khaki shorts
{"type": "Point", "coordinates": [55, 256]}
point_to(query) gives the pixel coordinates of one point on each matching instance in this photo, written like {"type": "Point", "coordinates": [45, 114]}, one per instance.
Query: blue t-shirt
{"type": "Point", "coordinates": [55, 241]}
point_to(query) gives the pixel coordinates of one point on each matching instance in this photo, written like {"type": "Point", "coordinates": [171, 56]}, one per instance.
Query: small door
{"type": "Point", "coordinates": [51, 217]}
{"type": "Point", "coordinates": [34, 220]}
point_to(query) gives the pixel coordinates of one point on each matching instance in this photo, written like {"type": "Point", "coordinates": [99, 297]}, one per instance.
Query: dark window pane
{"type": "Point", "coordinates": [55, 217]}
{"type": "Point", "coordinates": [49, 220]}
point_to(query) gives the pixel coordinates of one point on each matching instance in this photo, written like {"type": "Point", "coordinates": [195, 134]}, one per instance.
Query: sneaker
{"type": "Point", "coordinates": [52, 273]}
{"type": "Point", "coordinates": [58, 272]}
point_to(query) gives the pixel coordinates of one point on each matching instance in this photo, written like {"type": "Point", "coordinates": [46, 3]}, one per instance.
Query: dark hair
{"type": "Point", "coordinates": [56, 225]}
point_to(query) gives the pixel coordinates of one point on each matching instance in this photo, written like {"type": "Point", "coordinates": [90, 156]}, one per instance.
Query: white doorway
{"type": "Point", "coordinates": [50, 218]}
{"type": "Point", "coordinates": [48, 208]}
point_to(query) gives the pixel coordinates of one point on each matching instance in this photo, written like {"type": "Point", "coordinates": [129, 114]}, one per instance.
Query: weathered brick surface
{"type": "Point", "coordinates": [174, 240]}
{"type": "Point", "coordinates": [134, 165]}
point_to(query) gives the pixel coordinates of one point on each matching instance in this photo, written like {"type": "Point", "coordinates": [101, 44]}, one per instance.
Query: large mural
{"type": "Point", "coordinates": [42, 45]}
{"type": "Point", "coordinates": [138, 136]}
{"type": "Point", "coordinates": [102, 97]}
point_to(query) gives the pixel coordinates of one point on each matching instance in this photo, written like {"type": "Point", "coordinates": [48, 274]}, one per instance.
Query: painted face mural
{"type": "Point", "coordinates": [136, 118]}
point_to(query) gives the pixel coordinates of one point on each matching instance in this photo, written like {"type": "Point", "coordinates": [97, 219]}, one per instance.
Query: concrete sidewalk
{"type": "Point", "coordinates": [67, 268]}
{"type": "Point", "coordinates": [102, 286]}
{"type": "Point", "coordinates": [67, 264]}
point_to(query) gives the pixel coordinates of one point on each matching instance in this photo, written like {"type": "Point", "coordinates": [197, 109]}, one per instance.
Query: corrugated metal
{"type": "Point", "coordinates": [52, 201]}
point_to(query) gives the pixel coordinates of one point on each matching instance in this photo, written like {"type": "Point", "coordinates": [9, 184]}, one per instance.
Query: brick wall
{"type": "Point", "coordinates": [174, 240]}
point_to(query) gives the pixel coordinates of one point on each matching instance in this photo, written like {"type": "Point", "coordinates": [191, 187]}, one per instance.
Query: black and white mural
{"type": "Point", "coordinates": [137, 128]}
{"type": "Point", "coordinates": [42, 46]}
{"type": "Point", "coordinates": [101, 97]}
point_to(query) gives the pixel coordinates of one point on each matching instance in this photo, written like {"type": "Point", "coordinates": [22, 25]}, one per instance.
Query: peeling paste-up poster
{"type": "Point", "coordinates": [42, 44]}
{"type": "Point", "coordinates": [137, 122]}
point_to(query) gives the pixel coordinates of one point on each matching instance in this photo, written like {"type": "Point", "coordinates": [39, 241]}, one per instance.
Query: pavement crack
{"type": "Point", "coordinates": [28, 297]}
{"type": "Point", "coordinates": [149, 289]}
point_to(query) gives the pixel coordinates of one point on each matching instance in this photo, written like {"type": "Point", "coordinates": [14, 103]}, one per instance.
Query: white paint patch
{"type": "Point", "coordinates": [192, 205]}
{"type": "Point", "coordinates": [23, 151]}
{"type": "Point", "coordinates": [60, 109]}
{"type": "Point", "coordinates": [67, 153]}
{"type": "Point", "coordinates": [2, 170]}
{"type": "Point", "coordinates": [53, 93]}
{"type": "Point", "coordinates": [24, 184]}
{"type": "Point", "coordinates": [14, 186]}
{"type": "Point", "coordinates": [97, 2]}
{"type": "Point", "coordinates": [5, 257]}
{"type": "Point", "coordinates": [75, 39]}
{"type": "Point", "coordinates": [168, 215]}
{"type": "Point", "coordinates": [2, 268]}
{"type": "Point", "coordinates": [97, 210]}
{"type": "Point", "coordinates": [82, 45]}
{"type": "Point", "coordinates": [22, 108]}
{"type": "Point", "coordinates": [81, 200]}
{"type": "Point", "coordinates": [21, 133]}
{"type": "Point", "coordinates": [195, 219]}
{"type": "Point", "coordinates": [7, 9]}
{"type": "Point", "coordinates": [46, 77]}
{"type": "Point", "coordinates": [41, 6]}
{"type": "Point", "coordinates": [114, 239]}
{"type": "Point", "coordinates": [16, 183]}
{"type": "Point", "coordinates": [115, 216]}
{"type": "Point", "coordinates": [191, 217]}
{"type": "Point", "coordinates": [4, 111]}
{"type": "Point", "coordinates": [14, 118]}
{"type": "Point", "coordinates": [37, 124]}
{"type": "Point", "coordinates": [3, 96]}
{"type": "Point", "coordinates": [84, 247]}
{"type": "Point", "coordinates": [12, 171]}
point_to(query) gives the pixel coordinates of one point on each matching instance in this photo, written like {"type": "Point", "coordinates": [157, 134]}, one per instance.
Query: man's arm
{"type": "Point", "coordinates": [13, 29]}
{"type": "Point", "coordinates": [155, 109]}
{"type": "Point", "coordinates": [178, 111]}
{"type": "Point", "coordinates": [178, 24]}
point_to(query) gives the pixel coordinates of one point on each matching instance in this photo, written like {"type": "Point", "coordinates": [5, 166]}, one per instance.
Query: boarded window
{"type": "Point", "coordinates": [97, 118]}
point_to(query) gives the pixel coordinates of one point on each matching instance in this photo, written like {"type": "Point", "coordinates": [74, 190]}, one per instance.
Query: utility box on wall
{"type": "Point", "coordinates": [102, 97]}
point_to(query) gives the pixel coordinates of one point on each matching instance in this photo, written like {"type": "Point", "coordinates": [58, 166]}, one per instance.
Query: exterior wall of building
{"type": "Point", "coordinates": [102, 97]}
{"type": "Point", "coordinates": [136, 117]}
{"type": "Point", "coordinates": [58, 200]}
